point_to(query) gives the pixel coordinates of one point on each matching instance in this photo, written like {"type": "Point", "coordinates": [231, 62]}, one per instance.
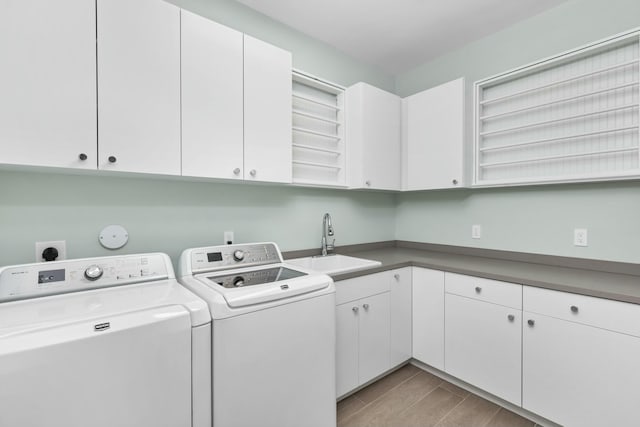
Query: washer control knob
{"type": "Point", "coordinates": [238, 255]}
{"type": "Point", "coordinates": [93, 272]}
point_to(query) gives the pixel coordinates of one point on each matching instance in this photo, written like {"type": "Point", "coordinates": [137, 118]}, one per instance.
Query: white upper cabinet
{"type": "Point", "coordinates": [373, 137]}
{"type": "Point", "coordinates": [139, 86]}
{"type": "Point", "coordinates": [267, 112]}
{"type": "Point", "coordinates": [433, 137]}
{"type": "Point", "coordinates": [48, 84]}
{"type": "Point", "coordinates": [212, 99]}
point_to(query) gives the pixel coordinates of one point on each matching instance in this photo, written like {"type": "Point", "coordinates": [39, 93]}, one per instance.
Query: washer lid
{"type": "Point", "coordinates": [244, 287]}
{"type": "Point", "coordinates": [37, 313]}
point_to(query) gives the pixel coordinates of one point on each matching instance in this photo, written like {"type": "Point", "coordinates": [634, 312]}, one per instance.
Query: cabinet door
{"type": "Point", "coordinates": [48, 84]}
{"type": "Point", "coordinates": [373, 137]}
{"type": "Point", "coordinates": [347, 347]}
{"type": "Point", "coordinates": [400, 312]}
{"type": "Point", "coordinates": [483, 345]}
{"type": "Point", "coordinates": [428, 317]}
{"type": "Point", "coordinates": [578, 375]}
{"type": "Point", "coordinates": [212, 135]}
{"type": "Point", "coordinates": [434, 137]}
{"type": "Point", "coordinates": [139, 86]}
{"type": "Point", "coordinates": [374, 332]}
{"type": "Point", "coordinates": [267, 112]}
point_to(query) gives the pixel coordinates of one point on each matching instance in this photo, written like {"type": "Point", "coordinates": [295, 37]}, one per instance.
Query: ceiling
{"type": "Point", "coordinates": [396, 35]}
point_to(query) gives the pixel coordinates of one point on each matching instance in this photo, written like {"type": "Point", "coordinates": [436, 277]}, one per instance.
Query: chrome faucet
{"type": "Point", "coordinates": [327, 230]}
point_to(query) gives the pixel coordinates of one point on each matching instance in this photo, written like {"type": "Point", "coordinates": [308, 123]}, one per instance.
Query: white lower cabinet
{"type": "Point", "coordinates": [483, 344]}
{"type": "Point", "coordinates": [483, 338]}
{"type": "Point", "coordinates": [576, 372]}
{"type": "Point", "coordinates": [400, 315]}
{"type": "Point", "coordinates": [428, 317]}
{"type": "Point", "coordinates": [373, 340]}
{"type": "Point", "coordinates": [362, 341]}
{"type": "Point", "coordinates": [373, 320]}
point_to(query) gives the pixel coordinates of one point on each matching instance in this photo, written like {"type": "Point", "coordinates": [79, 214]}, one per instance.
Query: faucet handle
{"type": "Point", "coordinates": [332, 245]}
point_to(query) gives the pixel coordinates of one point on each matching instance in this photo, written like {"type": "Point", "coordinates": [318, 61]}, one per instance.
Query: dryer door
{"type": "Point", "coordinates": [132, 370]}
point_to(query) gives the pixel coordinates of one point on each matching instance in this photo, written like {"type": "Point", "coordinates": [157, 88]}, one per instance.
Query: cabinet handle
{"type": "Point", "coordinates": [455, 182]}
{"type": "Point", "coordinates": [368, 183]}
{"type": "Point", "coordinates": [478, 289]}
{"type": "Point", "coordinates": [365, 306]}
{"type": "Point", "coordinates": [236, 171]}
{"type": "Point", "coordinates": [574, 308]}
{"type": "Point", "coordinates": [511, 317]}
{"type": "Point", "coordinates": [355, 309]}
{"type": "Point", "coordinates": [531, 322]}
{"type": "Point", "coordinates": [396, 276]}
{"type": "Point", "coordinates": [253, 172]}
{"type": "Point", "coordinates": [112, 159]}
{"type": "Point", "coordinates": [82, 156]}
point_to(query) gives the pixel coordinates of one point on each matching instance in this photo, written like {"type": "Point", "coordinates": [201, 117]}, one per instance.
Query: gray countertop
{"type": "Point", "coordinates": [603, 284]}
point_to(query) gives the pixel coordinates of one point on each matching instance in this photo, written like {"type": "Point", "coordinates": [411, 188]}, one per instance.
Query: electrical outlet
{"type": "Point", "coordinates": [59, 245]}
{"type": "Point", "coordinates": [476, 231]}
{"type": "Point", "coordinates": [228, 238]}
{"type": "Point", "coordinates": [580, 237]}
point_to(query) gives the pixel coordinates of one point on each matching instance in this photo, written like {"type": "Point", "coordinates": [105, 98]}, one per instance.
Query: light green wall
{"type": "Point", "coordinates": [169, 215]}
{"type": "Point", "coordinates": [309, 54]}
{"type": "Point", "coordinates": [529, 219]}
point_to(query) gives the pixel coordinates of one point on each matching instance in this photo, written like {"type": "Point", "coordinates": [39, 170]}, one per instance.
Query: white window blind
{"type": "Point", "coordinates": [573, 117]}
{"type": "Point", "coordinates": [318, 132]}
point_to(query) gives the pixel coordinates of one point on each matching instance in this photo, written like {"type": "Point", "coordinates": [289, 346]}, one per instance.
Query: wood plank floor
{"type": "Point", "coordinates": [412, 397]}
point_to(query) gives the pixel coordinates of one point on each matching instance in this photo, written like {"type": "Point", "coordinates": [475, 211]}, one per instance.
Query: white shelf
{"type": "Point", "coordinates": [568, 118]}
{"type": "Point", "coordinates": [316, 101]}
{"type": "Point", "coordinates": [316, 165]}
{"type": "Point", "coordinates": [316, 117]}
{"type": "Point", "coordinates": [318, 131]}
{"type": "Point", "coordinates": [559, 82]}
{"type": "Point", "coordinates": [312, 148]}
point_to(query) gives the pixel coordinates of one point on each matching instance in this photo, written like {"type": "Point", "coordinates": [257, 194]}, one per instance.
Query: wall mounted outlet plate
{"type": "Point", "coordinates": [580, 237]}
{"type": "Point", "coordinates": [59, 245]}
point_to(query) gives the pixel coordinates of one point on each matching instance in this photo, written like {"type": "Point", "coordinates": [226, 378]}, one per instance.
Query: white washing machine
{"type": "Point", "coordinates": [273, 351]}
{"type": "Point", "coordinates": [103, 342]}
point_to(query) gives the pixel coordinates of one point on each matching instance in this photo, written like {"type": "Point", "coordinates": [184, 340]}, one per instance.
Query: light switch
{"type": "Point", "coordinates": [476, 231]}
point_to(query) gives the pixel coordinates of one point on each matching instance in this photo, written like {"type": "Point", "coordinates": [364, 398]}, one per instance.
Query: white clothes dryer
{"type": "Point", "coordinates": [103, 342]}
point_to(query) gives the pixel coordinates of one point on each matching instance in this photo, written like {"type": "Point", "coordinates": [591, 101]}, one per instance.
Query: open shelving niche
{"type": "Point", "coordinates": [573, 117]}
{"type": "Point", "coordinates": [319, 154]}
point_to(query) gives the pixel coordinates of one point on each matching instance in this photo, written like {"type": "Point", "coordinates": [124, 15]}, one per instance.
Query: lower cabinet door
{"type": "Point", "coordinates": [428, 316]}
{"type": "Point", "coordinates": [347, 347]}
{"type": "Point", "coordinates": [483, 346]}
{"type": "Point", "coordinates": [374, 336]}
{"type": "Point", "coordinates": [400, 316]}
{"type": "Point", "coordinates": [578, 375]}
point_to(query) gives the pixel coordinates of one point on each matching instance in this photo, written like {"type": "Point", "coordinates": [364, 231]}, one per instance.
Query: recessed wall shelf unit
{"type": "Point", "coordinates": [572, 117]}
{"type": "Point", "coordinates": [318, 132]}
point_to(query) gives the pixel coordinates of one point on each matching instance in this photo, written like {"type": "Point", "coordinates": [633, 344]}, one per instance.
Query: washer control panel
{"type": "Point", "coordinates": [224, 257]}
{"type": "Point", "coordinates": [49, 278]}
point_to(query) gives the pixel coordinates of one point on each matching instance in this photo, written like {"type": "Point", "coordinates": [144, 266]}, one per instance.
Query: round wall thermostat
{"type": "Point", "coordinates": [114, 237]}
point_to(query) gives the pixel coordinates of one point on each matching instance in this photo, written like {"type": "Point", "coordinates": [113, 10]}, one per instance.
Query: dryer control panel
{"type": "Point", "coordinates": [50, 278]}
